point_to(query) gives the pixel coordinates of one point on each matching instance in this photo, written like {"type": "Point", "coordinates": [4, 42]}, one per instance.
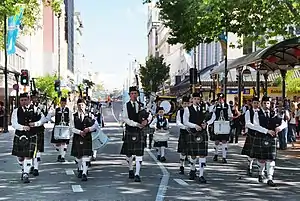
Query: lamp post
{"type": "Point", "coordinates": [5, 77]}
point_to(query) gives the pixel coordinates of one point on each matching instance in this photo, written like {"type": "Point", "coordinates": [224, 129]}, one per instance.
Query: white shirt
{"type": "Point", "coordinates": [126, 119]}
{"type": "Point", "coordinates": [154, 122]}
{"type": "Point", "coordinates": [92, 128]}
{"type": "Point", "coordinates": [213, 118]}
{"type": "Point", "coordinates": [178, 120]}
{"type": "Point", "coordinates": [186, 117]}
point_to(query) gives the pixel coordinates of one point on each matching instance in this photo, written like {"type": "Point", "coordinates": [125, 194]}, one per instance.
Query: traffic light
{"type": "Point", "coordinates": [57, 85]}
{"type": "Point", "coordinates": [24, 77]}
{"type": "Point", "coordinates": [237, 78]}
{"type": "Point", "coordinates": [193, 75]}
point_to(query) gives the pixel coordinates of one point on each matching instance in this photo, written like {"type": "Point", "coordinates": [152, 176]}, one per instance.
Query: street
{"type": "Point", "coordinates": [108, 176]}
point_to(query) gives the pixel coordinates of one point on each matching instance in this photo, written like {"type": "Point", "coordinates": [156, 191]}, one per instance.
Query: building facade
{"type": "Point", "coordinates": [69, 33]}
{"type": "Point", "coordinates": [78, 52]}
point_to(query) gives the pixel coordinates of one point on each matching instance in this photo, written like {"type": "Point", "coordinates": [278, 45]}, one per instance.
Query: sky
{"type": "Point", "coordinates": [114, 34]}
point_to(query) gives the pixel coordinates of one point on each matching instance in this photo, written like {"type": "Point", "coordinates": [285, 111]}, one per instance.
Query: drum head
{"type": "Point", "coordinates": [166, 105]}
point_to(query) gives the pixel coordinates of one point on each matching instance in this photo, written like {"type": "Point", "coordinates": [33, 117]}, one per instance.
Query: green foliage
{"type": "Point", "coordinates": [87, 83]}
{"type": "Point", "coordinates": [195, 21]}
{"type": "Point", "coordinates": [99, 87]}
{"type": "Point", "coordinates": [154, 74]}
{"type": "Point", "coordinates": [292, 82]}
{"type": "Point", "coordinates": [32, 13]}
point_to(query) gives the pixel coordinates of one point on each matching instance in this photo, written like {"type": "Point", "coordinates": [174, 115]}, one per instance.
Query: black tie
{"type": "Point", "coordinates": [197, 109]}
{"type": "Point", "coordinates": [80, 116]}
{"type": "Point", "coordinates": [133, 105]}
{"type": "Point", "coordinates": [267, 114]}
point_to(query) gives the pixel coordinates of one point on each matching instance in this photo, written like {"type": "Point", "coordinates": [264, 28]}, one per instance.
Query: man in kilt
{"type": "Point", "coordinates": [62, 117]}
{"type": "Point", "coordinates": [134, 142]}
{"type": "Point", "coordinates": [222, 110]}
{"type": "Point", "coordinates": [182, 144]}
{"type": "Point", "coordinates": [264, 127]}
{"type": "Point", "coordinates": [25, 139]}
{"type": "Point", "coordinates": [197, 140]}
{"type": "Point", "coordinates": [249, 119]}
{"type": "Point", "coordinates": [82, 124]}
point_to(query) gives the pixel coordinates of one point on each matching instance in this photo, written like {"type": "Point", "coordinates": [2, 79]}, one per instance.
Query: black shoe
{"type": "Point", "coordinates": [31, 170]}
{"type": "Point", "coordinates": [181, 170]}
{"type": "Point", "coordinates": [79, 174]}
{"type": "Point", "coordinates": [22, 174]}
{"type": "Point", "coordinates": [163, 159]}
{"type": "Point", "coordinates": [89, 164]}
{"type": "Point", "coordinates": [192, 175]}
{"type": "Point", "coordinates": [271, 183]}
{"type": "Point", "coordinates": [35, 172]}
{"type": "Point", "coordinates": [58, 158]}
{"type": "Point", "coordinates": [62, 160]}
{"type": "Point", "coordinates": [84, 177]}
{"type": "Point", "coordinates": [224, 160]}
{"type": "Point", "coordinates": [137, 178]}
{"type": "Point", "coordinates": [131, 174]}
{"type": "Point", "coordinates": [215, 158]}
{"type": "Point", "coordinates": [158, 157]}
{"type": "Point", "coordinates": [26, 178]}
{"type": "Point", "coordinates": [260, 179]}
{"type": "Point", "coordinates": [249, 172]}
{"type": "Point", "coordinates": [202, 180]}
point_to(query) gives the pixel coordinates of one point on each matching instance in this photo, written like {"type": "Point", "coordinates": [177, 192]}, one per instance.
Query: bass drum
{"type": "Point", "coordinates": [166, 105]}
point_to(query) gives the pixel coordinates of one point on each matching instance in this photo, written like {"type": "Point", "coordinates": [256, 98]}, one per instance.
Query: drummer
{"type": "Point", "coordinates": [82, 125]}
{"type": "Point", "coordinates": [160, 123]}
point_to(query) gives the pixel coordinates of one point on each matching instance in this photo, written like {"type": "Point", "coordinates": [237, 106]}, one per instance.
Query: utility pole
{"type": "Point", "coordinates": [58, 52]}
{"type": "Point", "coordinates": [5, 77]}
{"type": "Point", "coordinates": [195, 66]}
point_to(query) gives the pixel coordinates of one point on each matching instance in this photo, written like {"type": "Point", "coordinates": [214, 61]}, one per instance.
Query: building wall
{"type": "Point", "coordinates": [69, 31]}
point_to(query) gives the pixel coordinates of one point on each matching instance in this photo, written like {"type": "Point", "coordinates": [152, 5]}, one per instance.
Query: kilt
{"type": "Point", "coordinates": [247, 145]}
{"type": "Point", "coordinates": [197, 143]}
{"type": "Point", "coordinates": [161, 144]}
{"type": "Point", "coordinates": [40, 137]}
{"type": "Point", "coordinates": [134, 143]}
{"type": "Point", "coordinates": [24, 145]}
{"type": "Point", "coordinates": [262, 147]}
{"type": "Point", "coordinates": [148, 130]}
{"type": "Point", "coordinates": [182, 145]}
{"type": "Point", "coordinates": [82, 146]}
{"type": "Point", "coordinates": [55, 141]}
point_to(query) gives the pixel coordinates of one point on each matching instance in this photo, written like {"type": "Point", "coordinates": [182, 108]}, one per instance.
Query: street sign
{"type": "Point", "coordinates": [15, 86]}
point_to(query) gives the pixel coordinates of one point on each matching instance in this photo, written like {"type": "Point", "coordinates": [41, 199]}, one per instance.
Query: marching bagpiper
{"type": "Point", "coordinates": [197, 140]}
{"type": "Point", "coordinates": [222, 111]}
{"type": "Point", "coordinates": [263, 127]}
{"type": "Point", "coordinates": [134, 140]}
{"type": "Point", "coordinates": [62, 117]}
{"type": "Point", "coordinates": [182, 144]}
{"type": "Point", "coordinates": [82, 124]}
{"type": "Point", "coordinates": [160, 123]}
{"type": "Point", "coordinates": [249, 124]}
{"type": "Point", "coordinates": [25, 141]}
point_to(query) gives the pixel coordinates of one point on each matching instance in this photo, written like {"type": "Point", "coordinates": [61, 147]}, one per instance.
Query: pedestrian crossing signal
{"type": "Point", "coordinates": [57, 85]}
{"type": "Point", "coordinates": [24, 78]}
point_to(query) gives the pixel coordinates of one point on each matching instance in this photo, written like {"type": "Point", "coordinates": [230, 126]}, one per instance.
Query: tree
{"type": "Point", "coordinates": [154, 74]}
{"type": "Point", "coordinates": [195, 21]}
{"type": "Point", "coordinates": [87, 83]}
{"type": "Point", "coordinates": [292, 82]}
{"type": "Point", "coordinates": [32, 13]}
{"type": "Point", "coordinates": [45, 85]}
{"type": "Point", "coordinates": [99, 87]}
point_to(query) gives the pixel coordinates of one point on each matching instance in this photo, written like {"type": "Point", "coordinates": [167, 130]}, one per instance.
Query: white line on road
{"type": "Point", "coordinates": [77, 189]}
{"type": "Point", "coordinates": [164, 181]}
{"type": "Point", "coordinates": [181, 182]}
{"type": "Point", "coordinates": [113, 114]}
{"type": "Point", "coordinates": [69, 172]}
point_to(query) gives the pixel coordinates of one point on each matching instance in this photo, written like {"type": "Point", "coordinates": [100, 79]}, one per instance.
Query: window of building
{"type": "Point", "coordinates": [247, 46]}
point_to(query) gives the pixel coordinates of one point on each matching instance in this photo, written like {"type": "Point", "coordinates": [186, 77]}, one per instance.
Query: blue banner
{"type": "Point", "coordinates": [13, 24]}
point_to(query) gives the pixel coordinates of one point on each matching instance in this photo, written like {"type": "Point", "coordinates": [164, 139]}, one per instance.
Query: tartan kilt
{"type": "Point", "coordinates": [148, 130]}
{"type": "Point", "coordinates": [55, 141]}
{"type": "Point", "coordinates": [182, 145]}
{"type": "Point", "coordinates": [40, 137]}
{"type": "Point", "coordinates": [24, 145]}
{"type": "Point", "coordinates": [161, 144]}
{"type": "Point", "coordinates": [82, 146]}
{"type": "Point", "coordinates": [197, 143]}
{"type": "Point", "coordinates": [263, 147]}
{"type": "Point", "coordinates": [133, 144]}
{"type": "Point", "coordinates": [247, 146]}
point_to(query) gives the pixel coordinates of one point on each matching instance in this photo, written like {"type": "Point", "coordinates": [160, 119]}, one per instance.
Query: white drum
{"type": "Point", "coordinates": [222, 127]}
{"type": "Point", "coordinates": [99, 139]}
{"type": "Point", "coordinates": [62, 132]}
{"type": "Point", "coordinates": [161, 135]}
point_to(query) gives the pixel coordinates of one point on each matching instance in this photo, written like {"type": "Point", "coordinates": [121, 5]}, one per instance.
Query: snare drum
{"type": "Point", "coordinates": [99, 139]}
{"type": "Point", "coordinates": [62, 132]}
{"type": "Point", "coordinates": [161, 135]}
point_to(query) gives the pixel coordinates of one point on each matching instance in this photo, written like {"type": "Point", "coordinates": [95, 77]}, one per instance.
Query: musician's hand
{"type": "Point", "coordinates": [203, 125]}
{"type": "Point", "coordinates": [26, 128]}
{"type": "Point", "coordinates": [31, 124]}
{"type": "Point", "coordinates": [277, 130]}
{"type": "Point", "coordinates": [140, 126]}
{"type": "Point", "coordinates": [145, 122]}
{"type": "Point", "coordinates": [86, 130]}
{"type": "Point", "coordinates": [272, 133]}
{"type": "Point", "coordinates": [82, 133]}
{"type": "Point", "coordinates": [198, 128]}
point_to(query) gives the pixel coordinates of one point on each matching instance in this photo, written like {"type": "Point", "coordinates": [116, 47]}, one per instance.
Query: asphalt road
{"type": "Point", "coordinates": [108, 176]}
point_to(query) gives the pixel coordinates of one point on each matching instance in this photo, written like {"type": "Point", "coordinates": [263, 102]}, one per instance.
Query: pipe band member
{"type": "Point", "coordinates": [25, 141]}
{"type": "Point", "coordinates": [134, 142]}
{"type": "Point", "coordinates": [182, 140]}
{"type": "Point", "coordinates": [197, 140]}
{"type": "Point", "coordinates": [221, 108]}
{"type": "Point", "coordinates": [82, 124]}
{"type": "Point", "coordinates": [263, 128]}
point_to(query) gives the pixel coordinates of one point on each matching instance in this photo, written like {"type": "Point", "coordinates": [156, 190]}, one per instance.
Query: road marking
{"type": "Point", "coordinates": [69, 172]}
{"type": "Point", "coordinates": [113, 114]}
{"type": "Point", "coordinates": [77, 189]}
{"type": "Point", "coordinates": [181, 182]}
{"type": "Point", "coordinates": [164, 181]}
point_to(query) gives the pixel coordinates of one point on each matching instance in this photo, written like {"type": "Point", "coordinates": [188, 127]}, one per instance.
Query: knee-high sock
{"type": "Point", "coordinates": [216, 147]}
{"type": "Point", "coordinates": [130, 162]}
{"type": "Point", "coordinates": [192, 163]}
{"type": "Point", "coordinates": [162, 151]}
{"type": "Point", "coordinates": [270, 169]}
{"type": "Point", "coordinates": [224, 150]}
{"type": "Point", "coordinates": [35, 163]}
{"type": "Point", "coordinates": [21, 163]}
{"type": "Point", "coordinates": [38, 156]}
{"type": "Point", "coordinates": [138, 164]}
{"type": "Point", "coordinates": [158, 151]}
{"type": "Point", "coordinates": [94, 153]}
{"type": "Point", "coordinates": [261, 167]}
{"type": "Point", "coordinates": [182, 157]}
{"type": "Point", "coordinates": [202, 164]}
{"type": "Point", "coordinates": [79, 163]}
{"type": "Point", "coordinates": [27, 165]}
{"type": "Point", "coordinates": [85, 159]}
{"type": "Point", "coordinates": [64, 150]}
{"type": "Point", "coordinates": [250, 163]}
